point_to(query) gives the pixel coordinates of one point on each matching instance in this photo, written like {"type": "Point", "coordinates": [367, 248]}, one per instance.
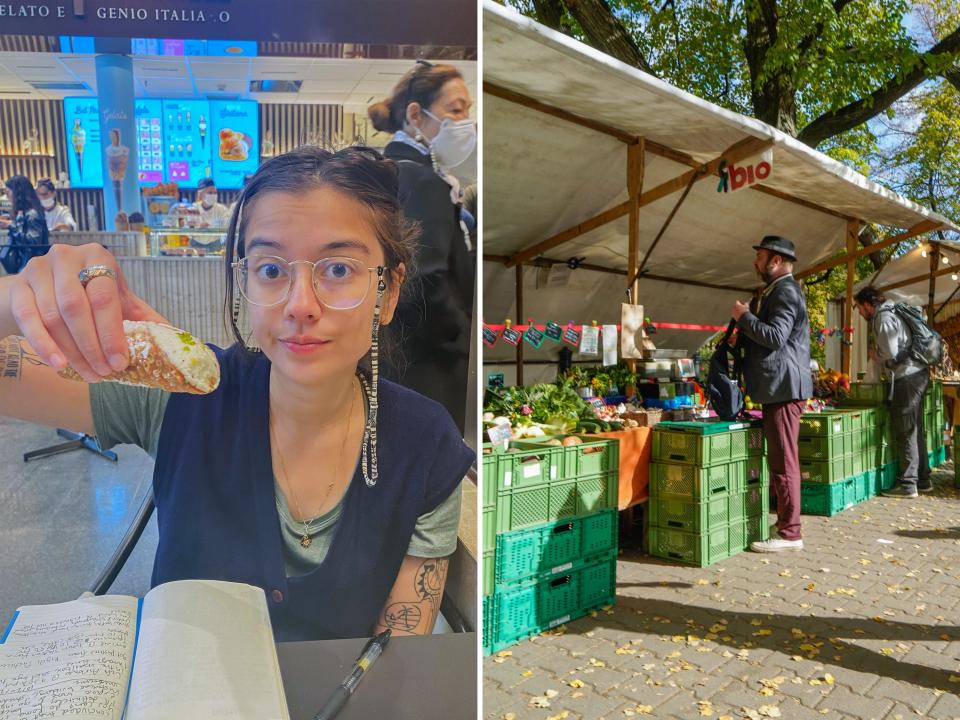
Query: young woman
{"type": "Point", "coordinates": [429, 114]}
{"type": "Point", "coordinates": [335, 492]}
{"type": "Point", "coordinates": [26, 229]}
{"type": "Point", "coordinates": [58, 216]}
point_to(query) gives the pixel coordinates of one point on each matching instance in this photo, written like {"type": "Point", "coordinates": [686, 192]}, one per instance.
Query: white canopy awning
{"type": "Point", "coordinates": [914, 265]}
{"type": "Point", "coordinates": [544, 174]}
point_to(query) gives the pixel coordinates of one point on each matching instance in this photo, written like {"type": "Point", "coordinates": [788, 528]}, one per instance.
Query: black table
{"type": "Point", "coordinates": [417, 678]}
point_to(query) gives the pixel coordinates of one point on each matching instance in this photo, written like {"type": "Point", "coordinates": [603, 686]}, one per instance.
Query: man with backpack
{"type": "Point", "coordinates": [895, 348]}
{"type": "Point", "coordinates": [775, 335]}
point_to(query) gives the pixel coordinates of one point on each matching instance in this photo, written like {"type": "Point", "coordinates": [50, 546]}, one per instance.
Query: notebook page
{"type": "Point", "coordinates": [69, 661]}
{"type": "Point", "coordinates": [206, 651]}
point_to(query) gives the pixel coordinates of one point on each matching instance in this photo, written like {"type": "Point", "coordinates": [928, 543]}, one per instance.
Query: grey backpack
{"type": "Point", "coordinates": [926, 345]}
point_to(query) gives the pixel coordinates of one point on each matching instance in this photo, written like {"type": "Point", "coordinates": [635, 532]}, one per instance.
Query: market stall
{"type": "Point", "coordinates": [606, 187]}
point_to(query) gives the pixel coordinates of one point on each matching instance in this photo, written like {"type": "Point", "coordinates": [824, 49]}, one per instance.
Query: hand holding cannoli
{"type": "Point", "coordinates": [164, 357]}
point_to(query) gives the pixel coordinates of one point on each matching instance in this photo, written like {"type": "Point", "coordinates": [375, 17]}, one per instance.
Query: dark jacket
{"type": "Point", "coordinates": [435, 312]}
{"type": "Point", "coordinates": [217, 514]}
{"type": "Point", "coordinates": [776, 344]}
{"type": "Point", "coordinates": [27, 238]}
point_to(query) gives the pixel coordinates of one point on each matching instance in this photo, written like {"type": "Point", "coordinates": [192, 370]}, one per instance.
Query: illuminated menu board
{"type": "Point", "coordinates": [149, 114]}
{"type": "Point", "coordinates": [235, 129]}
{"type": "Point", "coordinates": [187, 141]}
{"type": "Point", "coordinates": [84, 146]}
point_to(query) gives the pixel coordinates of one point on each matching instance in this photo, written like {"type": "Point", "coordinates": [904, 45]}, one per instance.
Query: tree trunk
{"type": "Point", "coordinates": [549, 13]}
{"type": "Point", "coordinates": [774, 98]}
{"type": "Point", "coordinates": [606, 33]}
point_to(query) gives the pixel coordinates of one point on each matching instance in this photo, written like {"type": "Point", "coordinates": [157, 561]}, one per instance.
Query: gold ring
{"type": "Point", "coordinates": [95, 271]}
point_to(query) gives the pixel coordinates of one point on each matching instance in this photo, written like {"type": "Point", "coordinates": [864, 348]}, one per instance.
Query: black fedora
{"type": "Point", "coordinates": [778, 245]}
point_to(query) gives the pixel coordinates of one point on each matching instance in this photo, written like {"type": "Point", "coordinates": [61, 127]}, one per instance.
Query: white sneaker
{"type": "Point", "coordinates": [776, 544]}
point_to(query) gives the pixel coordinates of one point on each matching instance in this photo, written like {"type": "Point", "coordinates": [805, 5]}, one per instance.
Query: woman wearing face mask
{"type": "Point", "coordinates": [27, 234]}
{"type": "Point", "coordinates": [303, 473]}
{"type": "Point", "coordinates": [58, 216]}
{"type": "Point", "coordinates": [428, 114]}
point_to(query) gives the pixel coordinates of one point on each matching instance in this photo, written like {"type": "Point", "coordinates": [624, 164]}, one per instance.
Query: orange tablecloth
{"type": "Point", "coordinates": [635, 446]}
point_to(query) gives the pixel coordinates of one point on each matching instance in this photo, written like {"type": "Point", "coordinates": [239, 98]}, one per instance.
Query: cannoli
{"type": "Point", "coordinates": [164, 357]}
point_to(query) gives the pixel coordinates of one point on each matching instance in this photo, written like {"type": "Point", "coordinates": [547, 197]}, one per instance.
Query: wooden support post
{"type": "Point", "coordinates": [635, 167]}
{"type": "Point", "coordinates": [520, 320]}
{"type": "Point", "coordinates": [932, 289]}
{"type": "Point", "coordinates": [846, 350]}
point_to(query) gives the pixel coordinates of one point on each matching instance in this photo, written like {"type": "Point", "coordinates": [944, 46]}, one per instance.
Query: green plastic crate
{"type": "Point", "coordinates": [861, 486]}
{"type": "Point", "coordinates": [489, 527]}
{"type": "Point", "coordinates": [873, 483]}
{"type": "Point", "coordinates": [682, 513]}
{"type": "Point", "coordinates": [822, 424]}
{"type": "Point", "coordinates": [690, 447]}
{"type": "Point", "coordinates": [819, 499]}
{"type": "Point", "coordinates": [871, 416]}
{"type": "Point", "coordinates": [489, 571]}
{"type": "Point", "coordinates": [697, 483]}
{"type": "Point", "coordinates": [854, 442]}
{"type": "Point", "coordinates": [857, 467]}
{"type": "Point", "coordinates": [689, 548]}
{"type": "Point", "coordinates": [519, 611]}
{"type": "Point", "coordinates": [823, 471]}
{"type": "Point", "coordinates": [938, 457]}
{"type": "Point", "coordinates": [757, 471]}
{"type": "Point", "coordinates": [756, 442]}
{"type": "Point", "coordinates": [868, 393]}
{"type": "Point", "coordinates": [487, 625]}
{"type": "Point", "coordinates": [528, 464]}
{"type": "Point", "coordinates": [823, 448]}
{"type": "Point", "coordinates": [490, 458]}
{"type": "Point", "coordinates": [854, 419]}
{"type": "Point", "coordinates": [552, 548]}
{"type": "Point", "coordinates": [887, 476]}
{"type": "Point", "coordinates": [522, 507]}
{"type": "Point", "coordinates": [591, 456]}
{"type": "Point", "coordinates": [757, 529]}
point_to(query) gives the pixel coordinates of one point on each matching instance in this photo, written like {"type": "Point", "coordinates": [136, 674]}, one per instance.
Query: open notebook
{"type": "Point", "coordinates": [190, 649]}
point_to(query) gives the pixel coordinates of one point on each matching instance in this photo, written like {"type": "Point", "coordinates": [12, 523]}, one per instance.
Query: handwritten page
{"type": "Point", "coordinates": [206, 650]}
{"type": "Point", "coordinates": [69, 661]}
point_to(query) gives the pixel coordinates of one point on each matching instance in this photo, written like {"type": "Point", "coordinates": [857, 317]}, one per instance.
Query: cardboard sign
{"type": "Point", "coordinates": [553, 331]}
{"type": "Point", "coordinates": [571, 336]}
{"type": "Point", "coordinates": [631, 331]}
{"type": "Point", "coordinates": [510, 335]}
{"type": "Point", "coordinates": [490, 336]}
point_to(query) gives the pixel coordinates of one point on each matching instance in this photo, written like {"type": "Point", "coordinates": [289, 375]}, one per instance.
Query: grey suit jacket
{"type": "Point", "coordinates": [776, 343]}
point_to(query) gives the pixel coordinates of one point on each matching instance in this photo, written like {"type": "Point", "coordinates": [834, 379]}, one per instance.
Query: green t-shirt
{"type": "Point", "coordinates": [134, 415]}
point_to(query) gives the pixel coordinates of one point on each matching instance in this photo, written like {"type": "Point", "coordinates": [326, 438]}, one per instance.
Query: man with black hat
{"type": "Point", "coordinates": [775, 336]}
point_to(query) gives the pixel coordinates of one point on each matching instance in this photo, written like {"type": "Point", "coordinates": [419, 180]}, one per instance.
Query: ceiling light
{"type": "Point", "coordinates": [955, 277]}
{"type": "Point", "coordinates": [945, 260]}
{"type": "Point", "coordinates": [923, 252]}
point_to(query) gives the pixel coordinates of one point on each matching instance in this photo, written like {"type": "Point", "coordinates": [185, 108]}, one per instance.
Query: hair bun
{"type": "Point", "coordinates": [379, 114]}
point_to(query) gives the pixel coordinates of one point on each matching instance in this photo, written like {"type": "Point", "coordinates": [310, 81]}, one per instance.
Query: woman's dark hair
{"type": "Point", "coordinates": [360, 172]}
{"type": "Point", "coordinates": [421, 85]}
{"type": "Point", "coordinates": [48, 184]}
{"type": "Point", "coordinates": [869, 296]}
{"type": "Point", "coordinates": [24, 196]}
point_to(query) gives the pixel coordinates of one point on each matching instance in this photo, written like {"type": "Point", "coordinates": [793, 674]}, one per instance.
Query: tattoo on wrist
{"type": "Point", "coordinates": [13, 355]}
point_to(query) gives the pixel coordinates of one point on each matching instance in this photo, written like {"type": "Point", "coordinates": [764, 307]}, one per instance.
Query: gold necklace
{"type": "Point", "coordinates": [305, 540]}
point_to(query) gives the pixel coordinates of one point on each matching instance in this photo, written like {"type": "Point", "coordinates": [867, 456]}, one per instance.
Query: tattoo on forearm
{"type": "Point", "coordinates": [402, 616]}
{"type": "Point", "coordinates": [13, 356]}
{"type": "Point", "coordinates": [429, 581]}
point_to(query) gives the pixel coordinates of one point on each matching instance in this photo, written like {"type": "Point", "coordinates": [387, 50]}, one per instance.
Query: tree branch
{"type": "Point", "coordinates": [810, 39]}
{"type": "Point", "coordinates": [858, 112]}
{"type": "Point", "coordinates": [606, 33]}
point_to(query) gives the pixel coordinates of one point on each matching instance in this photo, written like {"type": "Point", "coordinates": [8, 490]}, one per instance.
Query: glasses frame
{"type": "Point", "coordinates": [379, 269]}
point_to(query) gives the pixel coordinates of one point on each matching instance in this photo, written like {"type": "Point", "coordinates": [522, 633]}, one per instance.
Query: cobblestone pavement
{"type": "Point", "coordinates": [864, 623]}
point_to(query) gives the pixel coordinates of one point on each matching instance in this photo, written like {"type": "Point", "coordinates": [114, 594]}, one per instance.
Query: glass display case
{"type": "Point", "coordinates": [187, 242]}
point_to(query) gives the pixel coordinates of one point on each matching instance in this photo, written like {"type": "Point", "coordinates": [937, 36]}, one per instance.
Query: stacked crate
{"type": "Point", "coordinates": [709, 496]}
{"type": "Point", "coordinates": [549, 535]}
{"type": "Point", "coordinates": [842, 456]}
{"type": "Point", "coordinates": [874, 395]}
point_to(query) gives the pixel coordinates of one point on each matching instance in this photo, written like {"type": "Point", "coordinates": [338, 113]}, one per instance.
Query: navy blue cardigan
{"type": "Point", "coordinates": [214, 491]}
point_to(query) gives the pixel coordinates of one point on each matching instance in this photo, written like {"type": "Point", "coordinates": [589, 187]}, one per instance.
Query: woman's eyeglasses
{"type": "Point", "coordinates": [340, 283]}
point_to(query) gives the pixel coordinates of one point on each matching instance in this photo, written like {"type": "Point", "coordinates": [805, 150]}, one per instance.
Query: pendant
{"type": "Point", "coordinates": [305, 541]}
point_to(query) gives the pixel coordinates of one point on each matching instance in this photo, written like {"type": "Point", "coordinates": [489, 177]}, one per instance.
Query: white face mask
{"type": "Point", "coordinates": [48, 203]}
{"type": "Point", "coordinates": [455, 141]}
{"type": "Point", "coordinates": [208, 200]}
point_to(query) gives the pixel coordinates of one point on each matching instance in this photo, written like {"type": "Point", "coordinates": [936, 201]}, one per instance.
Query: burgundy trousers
{"type": "Point", "coordinates": [781, 427]}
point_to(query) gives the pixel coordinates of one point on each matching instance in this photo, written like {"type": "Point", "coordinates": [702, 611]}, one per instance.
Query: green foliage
{"type": "Point", "coordinates": [556, 405]}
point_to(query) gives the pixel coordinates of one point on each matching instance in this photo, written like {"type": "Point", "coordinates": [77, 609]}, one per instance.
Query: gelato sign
{"type": "Point", "coordinates": [445, 22]}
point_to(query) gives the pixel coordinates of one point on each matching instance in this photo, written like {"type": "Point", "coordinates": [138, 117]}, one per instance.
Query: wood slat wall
{"type": "Point", "coordinates": [17, 119]}
{"type": "Point", "coordinates": [290, 126]}
{"type": "Point", "coordinates": [29, 43]}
